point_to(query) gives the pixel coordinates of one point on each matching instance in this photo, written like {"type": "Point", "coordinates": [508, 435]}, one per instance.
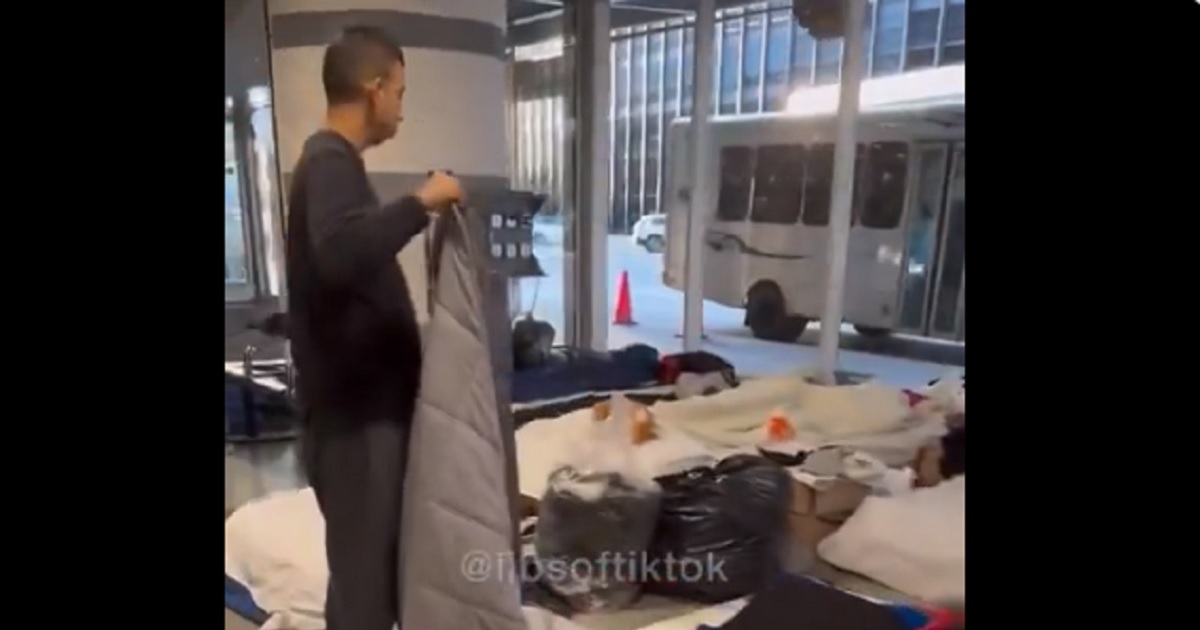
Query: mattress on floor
{"type": "Point", "coordinates": [286, 566]}
{"type": "Point", "coordinates": [569, 372]}
{"type": "Point", "coordinates": [526, 412]}
{"type": "Point", "coordinates": [234, 621]}
{"type": "Point", "coordinates": [276, 575]}
{"type": "Point", "coordinates": [710, 616]}
{"type": "Point", "coordinates": [695, 431]}
{"type": "Point", "coordinates": [240, 602]}
{"type": "Point", "coordinates": [523, 412]}
{"type": "Point", "coordinates": [241, 611]}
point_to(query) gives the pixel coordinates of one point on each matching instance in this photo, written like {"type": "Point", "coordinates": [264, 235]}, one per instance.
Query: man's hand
{"type": "Point", "coordinates": [440, 191]}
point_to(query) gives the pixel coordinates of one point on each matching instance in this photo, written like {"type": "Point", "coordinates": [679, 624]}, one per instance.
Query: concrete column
{"type": "Point", "coordinates": [586, 181]}
{"type": "Point", "coordinates": [454, 107]}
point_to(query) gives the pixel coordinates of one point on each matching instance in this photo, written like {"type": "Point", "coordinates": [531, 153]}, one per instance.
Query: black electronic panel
{"type": "Point", "coordinates": [510, 233]}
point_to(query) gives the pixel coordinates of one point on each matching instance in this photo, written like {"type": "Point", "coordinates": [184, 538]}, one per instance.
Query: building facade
{"type": "Point", "coordinates": [762, 57]}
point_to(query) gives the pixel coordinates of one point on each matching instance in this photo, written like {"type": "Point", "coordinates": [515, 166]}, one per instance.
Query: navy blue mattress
{"type": "Point", "coordinates": [572, 372]}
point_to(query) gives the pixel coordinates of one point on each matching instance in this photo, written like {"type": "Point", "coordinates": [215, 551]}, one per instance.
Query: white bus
{"type": "Point", "coordinates": [766, 234]}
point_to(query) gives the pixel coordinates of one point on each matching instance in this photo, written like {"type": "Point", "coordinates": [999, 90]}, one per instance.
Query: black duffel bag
{"type": "Point", "coordinates": [720, 530]}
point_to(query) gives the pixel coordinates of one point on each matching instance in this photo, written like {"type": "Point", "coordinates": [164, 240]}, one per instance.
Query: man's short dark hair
{"type": "Point", "coordinates": [361, 54]}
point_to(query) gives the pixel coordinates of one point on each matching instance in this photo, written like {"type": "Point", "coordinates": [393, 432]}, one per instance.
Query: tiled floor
{"type": "Point", "coordinates": [252, 471]}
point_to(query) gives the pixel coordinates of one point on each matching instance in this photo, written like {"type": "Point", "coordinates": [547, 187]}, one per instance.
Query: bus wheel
{"type": "Point", "coordinates": [871, 332]}
{"type": "Point", "coordinates": [766, 314]}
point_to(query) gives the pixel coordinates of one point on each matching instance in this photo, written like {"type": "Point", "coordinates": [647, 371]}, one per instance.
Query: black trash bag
{"type": "Point", "coordinates": [592, 534]}
{"type": "Point", "coordinates": [954, 453]}
{"type": "Point", "coordinates": [721, 530]}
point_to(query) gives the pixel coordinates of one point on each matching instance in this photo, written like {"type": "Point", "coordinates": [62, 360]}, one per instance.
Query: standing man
{"type": "Point", "coordinates": [355, 339]}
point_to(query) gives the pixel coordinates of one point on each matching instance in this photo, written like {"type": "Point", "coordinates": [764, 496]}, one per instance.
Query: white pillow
{"type": "Point", "coordinates": [914, 542]}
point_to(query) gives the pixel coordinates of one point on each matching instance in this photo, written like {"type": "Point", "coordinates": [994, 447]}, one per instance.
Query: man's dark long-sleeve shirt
{"type": "Point", "coordinates": [355, 340]}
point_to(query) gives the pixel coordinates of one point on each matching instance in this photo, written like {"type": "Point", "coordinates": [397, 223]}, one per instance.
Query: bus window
{"type": "Point", "coordinates": [778, 184]}
{"type": "Point", "coordinates": [884, 185]}
{"type": "Point", "coordinates": [861, 183]}
{"type": "Point", "coordinates": [737, 177]}
{"type": "Point", "coordinates": [818, 185]}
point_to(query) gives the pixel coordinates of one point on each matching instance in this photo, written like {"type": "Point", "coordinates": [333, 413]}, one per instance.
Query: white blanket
{"type": "Point", "coordinates": [871, 418]}
{"type": "Point", "coordinates": [914, 542]}
{"type": "Point", "coordinates": [545, 445]}
{"type": "Point", "coordinates": [275, 546]}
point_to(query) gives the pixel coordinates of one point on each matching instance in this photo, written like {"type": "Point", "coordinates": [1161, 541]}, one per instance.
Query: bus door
{"type": "Point", "coordinates": [728, 234]}
{"type": "Point", "coordinates": [877, 235]}
{"type": "Point", "coordinates": [948, 313]}
{"type": "Point", "coordinates": [933, 273]}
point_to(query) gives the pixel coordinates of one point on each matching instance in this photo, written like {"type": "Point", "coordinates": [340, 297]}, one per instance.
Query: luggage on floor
{"type": "Point", "coordinates": [720, 530]}
{"type": "Point", "coordinates": [254, 411]}
{"type": "Point", "coordinates": [672, 366]}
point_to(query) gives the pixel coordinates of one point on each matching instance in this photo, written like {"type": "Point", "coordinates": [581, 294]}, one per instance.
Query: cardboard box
{"type": "Point", "coordinates": [817, 513]}
{"type": "Point", "coordinates": [808, 530]}
{"type": "Point", "coordinates": [834, 502]}
{"type": "Point", "coordinates": [528, 506]}
{"type": "Point", "coordinates": [928, 466]}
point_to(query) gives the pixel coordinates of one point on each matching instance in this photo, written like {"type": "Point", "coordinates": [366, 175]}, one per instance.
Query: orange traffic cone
{"type": "Point", "coordinates": [623, 313]}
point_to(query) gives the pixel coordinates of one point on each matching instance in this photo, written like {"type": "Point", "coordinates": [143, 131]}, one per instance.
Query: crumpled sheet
{"type": "Point", "coordinates": [544, 446]}
{"type": "Point", "coordinates": [871, 418]}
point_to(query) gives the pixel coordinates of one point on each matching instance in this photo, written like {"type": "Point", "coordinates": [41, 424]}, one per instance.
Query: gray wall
{"type": "Point", "coordinates": [246, 52]}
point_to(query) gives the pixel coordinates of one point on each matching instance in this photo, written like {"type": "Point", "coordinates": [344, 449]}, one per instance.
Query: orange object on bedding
{"type": "Point", "coordinates": [779, 428]}
{"type": "Point", "coordinates": [642, 427]}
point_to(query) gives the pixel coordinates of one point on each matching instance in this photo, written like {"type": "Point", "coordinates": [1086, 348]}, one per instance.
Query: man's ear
{"type": "Point", "coordinates": [373, 85]}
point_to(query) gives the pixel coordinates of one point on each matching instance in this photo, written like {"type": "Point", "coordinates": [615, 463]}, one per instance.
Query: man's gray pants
{"type": "Point", "coordinates": [357, 473]}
